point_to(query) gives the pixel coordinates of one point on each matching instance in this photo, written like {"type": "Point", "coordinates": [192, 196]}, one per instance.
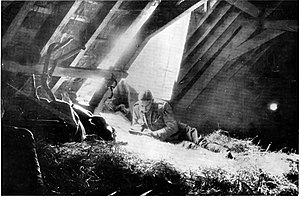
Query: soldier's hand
{"type": "Point", "coordinates": [147, 132]}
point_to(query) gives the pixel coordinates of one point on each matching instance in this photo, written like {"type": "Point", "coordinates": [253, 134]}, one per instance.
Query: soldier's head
{"type": "Point", "coordinates": [145, 100]}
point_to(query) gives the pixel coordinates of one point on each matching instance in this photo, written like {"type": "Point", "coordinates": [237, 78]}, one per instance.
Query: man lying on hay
{"type": "Point", "coordinates": [155, 118]}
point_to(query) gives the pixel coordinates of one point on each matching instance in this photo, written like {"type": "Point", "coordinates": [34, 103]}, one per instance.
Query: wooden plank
{"type": "Point", "coordinates": [57, 33]}
{"type": "Point", "coordinates": [245, 6]}
{"type": "Point", "coordinates": [229, 53]}
{"type": "Point", "coordinates": [60, 71]}
{"type": "Point", "coordinates": [210, 47]}
{"type": "Point", "coordinates": [286, 25]}
{"type": "Point", "coordinates": [219, 14]}
{"type": "Point", "coordinates": [16, 23]}
{"type": "Point", "coordinates": [97, 32]}
{"type": "Point", "coordinates": [207, 14]}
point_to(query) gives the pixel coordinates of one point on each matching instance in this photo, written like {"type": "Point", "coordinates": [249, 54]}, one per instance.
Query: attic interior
{"type": "Point", "coordinates": [221, 64]}
{"type": "Point", "coordinates": [113, 39]}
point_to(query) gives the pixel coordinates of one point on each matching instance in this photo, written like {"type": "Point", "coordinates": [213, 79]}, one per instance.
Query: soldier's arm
{"type": "Point", "coordinates": [135, 126]}
{"type": "Point", "coordinates": [171, 124]}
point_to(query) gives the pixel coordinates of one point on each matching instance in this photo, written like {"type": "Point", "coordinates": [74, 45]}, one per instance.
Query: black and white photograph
{"type": "Point", "coordinates": [150, 97]}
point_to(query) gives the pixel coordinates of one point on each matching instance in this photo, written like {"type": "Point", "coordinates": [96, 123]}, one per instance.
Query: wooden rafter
{"type": "Point", "coordinates": [97, 32]}
{"type": "Point", "coordinates": [270, 10]}
{"type": "Point", "coordinates": [209, 48]}
{"type": "Point", "coordinates": [255, 42]}
{"type": "Point", "coordinates": [219, 14]}
{"type": "Point", "coordinates": [60, 71]}
{"type": "Point", "coordinates": [16, 23]}
{"type": "Point", "coordinates": [188, 11]}
{"type": "Point", "coordinates": [58, 32]}
{"type": "Point", "coordinates": [207, 14]}
{"type": "Point", "coordinates": [245, 6]}
{"type": "Point", "coordinates": [229, 53]}
{"type": "Point", "coordinates": [230, 41]}
{"type": "Point", "coordinates": [286, 25]}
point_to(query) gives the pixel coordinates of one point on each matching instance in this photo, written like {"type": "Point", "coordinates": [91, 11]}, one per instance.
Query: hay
{"type": "Point", "coordinates": [137, 165]}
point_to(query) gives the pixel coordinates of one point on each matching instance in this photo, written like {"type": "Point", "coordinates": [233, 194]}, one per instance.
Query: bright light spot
{"type": "Point", "coordinates": [273, 106]}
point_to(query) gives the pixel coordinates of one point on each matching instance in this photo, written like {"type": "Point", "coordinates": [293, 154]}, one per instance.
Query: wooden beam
{"type": "Point", "coordinates": [286, 25]}
{"type": "Point", "coordinates": [60, 71]}
{"type": "Point", "coordinates": [210, 47]}
{"type": "Point", "coordinates": [219, 13]}
{"type": "Point", "coordinates": [17, 22]}
{"type": "Point", "coordinates": [245, 6]}
{"type": "Point", "coordinates": [210, 69]}
{"type": "Point", "coordinates": [140, 49]}
{"type": "Point", "coordinates": [57, 33]}
{"type": "Point", "coordinates": [229, 53]}
{"type": "Point", "coordinates": [251, 59]}
{"type": "Point", "coordinates": [186, 12]}
{"type": "Point", "coordinates": [255, 42]}
{"type": "Point", "coordinates": [59, 83]}
{"type": "Point", "coordinates": [97, 32]}
{"type": "Point", "coordinates": [207, 14]}
{"type": "Point", "coordinates": [270, 10]}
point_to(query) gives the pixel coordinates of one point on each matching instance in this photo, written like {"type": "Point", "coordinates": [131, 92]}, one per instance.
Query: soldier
{"type": "Point", "coordinates": [155, 118]}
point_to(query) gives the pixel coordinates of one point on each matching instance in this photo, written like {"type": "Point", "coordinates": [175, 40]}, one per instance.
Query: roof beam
{"type": "Point", "coordinates": [255, 42]}
{"type": "Point", "coordinates": [207, 14]}
{"type": "Point", "coordinates": [209, 70]}
{"type": "Point", "coordinates": [17, 22]}
{"type": "Point", "coordinates": [60, 71]}
{"type": "Point", "coordinates": [190, 65]}
{"type": "Point", "coordinates": [286, 25]}
{"type": "Point", "coordinates": [245, 6]}
{"type": "Point", "coordinates": [207, 29]}
{"type": "Point", "coordinates": [97, 32]}
{"type": "Point", "coordinates": [229, 53]}
{"type": "Point", "coordinates": [57, 33]}
{"type": "Point", "coordinates": [188, 11]}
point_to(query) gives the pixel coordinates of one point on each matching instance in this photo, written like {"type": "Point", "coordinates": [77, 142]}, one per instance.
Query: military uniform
{"type": "Point", "coordinates": [159, 119]}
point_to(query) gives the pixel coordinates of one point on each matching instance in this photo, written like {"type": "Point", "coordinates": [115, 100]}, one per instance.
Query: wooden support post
{"type": "Point", "coordinates": [97, 32]}
{"type": "Point", "coordinates": [245, 6]}
{"type": "Point", "coordinates": [16, 23]}
{"type": "Point", "coordinates": [58, 32]}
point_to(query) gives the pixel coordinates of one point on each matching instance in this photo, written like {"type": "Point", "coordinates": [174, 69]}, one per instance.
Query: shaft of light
{"type": "Point", "coordinates": [124, 42]}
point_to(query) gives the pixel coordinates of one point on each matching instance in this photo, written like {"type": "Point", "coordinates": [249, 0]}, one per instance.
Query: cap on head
{"type": "Point", "coordinates": [145, 95]}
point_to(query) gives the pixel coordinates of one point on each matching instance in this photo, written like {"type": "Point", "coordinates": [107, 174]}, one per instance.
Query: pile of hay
{"type": "Point", "coordinates": [137, 165]}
